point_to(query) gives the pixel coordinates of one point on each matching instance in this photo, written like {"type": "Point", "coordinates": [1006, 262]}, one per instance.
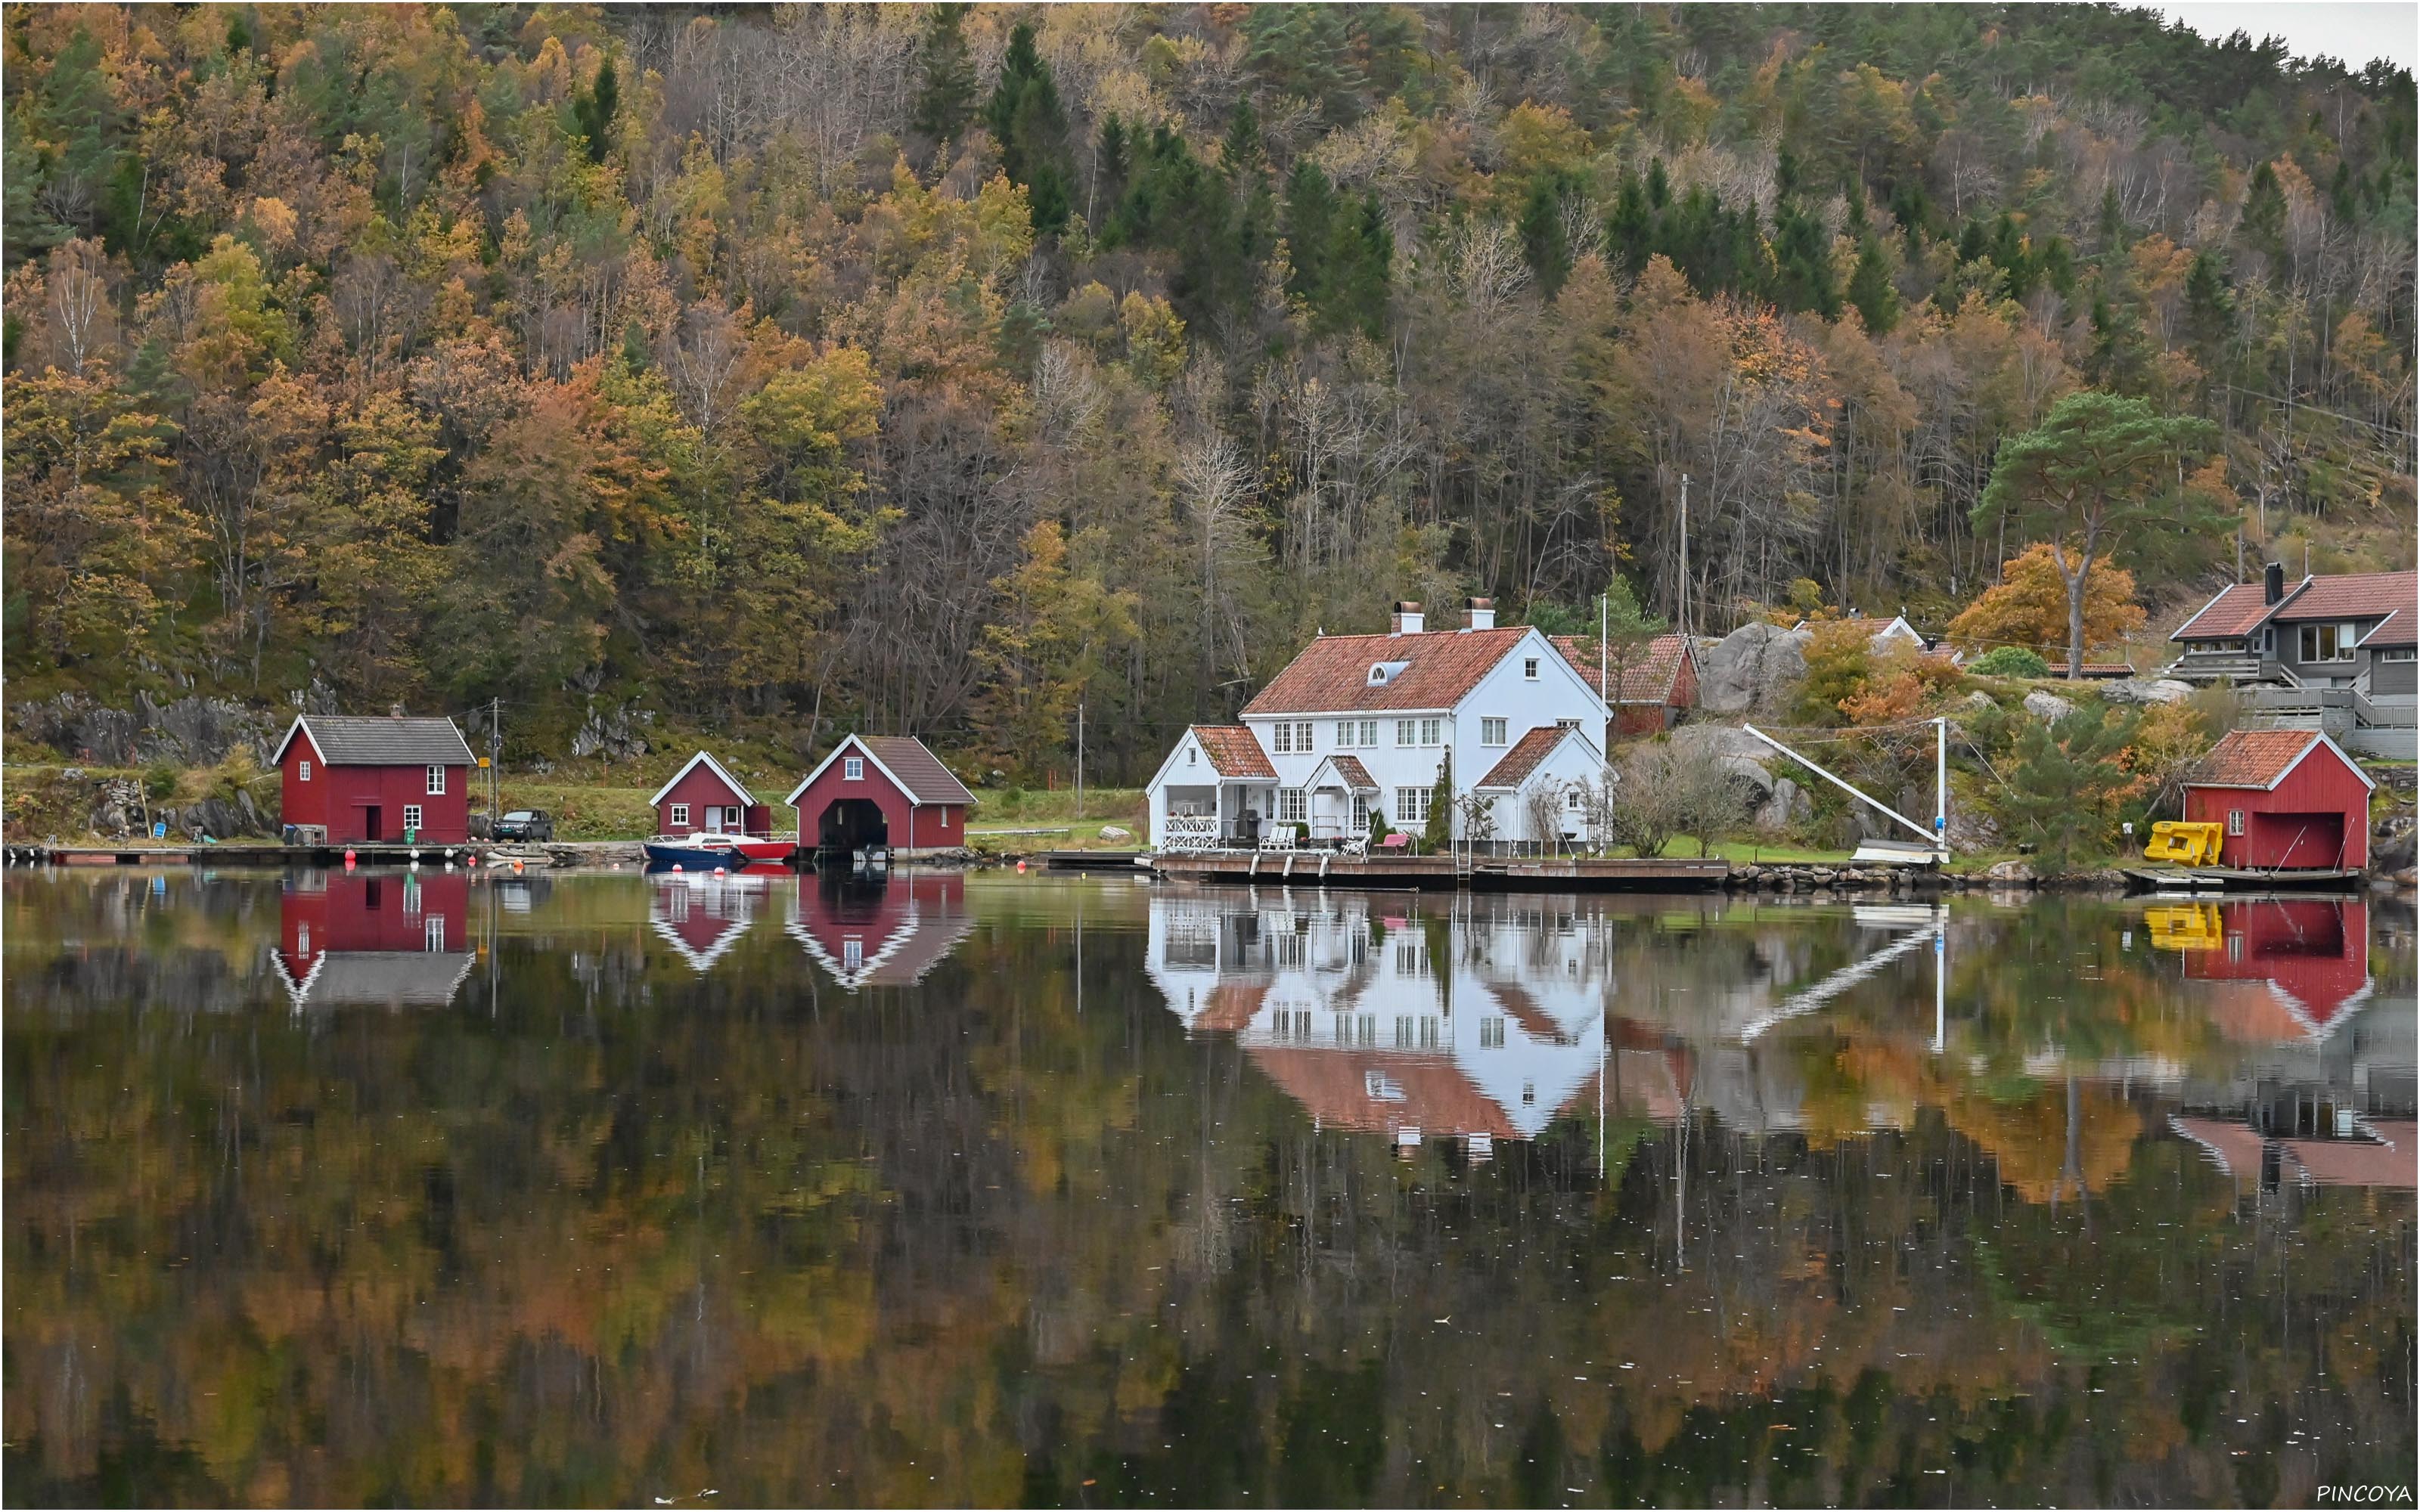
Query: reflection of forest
{"type": "Point", "coordinates": [606, 1227]}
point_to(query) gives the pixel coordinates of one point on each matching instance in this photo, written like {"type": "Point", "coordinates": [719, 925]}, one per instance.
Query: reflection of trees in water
{"type": "Point", "coordinates": [640, 1232]}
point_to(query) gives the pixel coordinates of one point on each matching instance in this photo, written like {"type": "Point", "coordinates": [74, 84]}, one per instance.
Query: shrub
{"type": "Point", "coordinates": [2011, 661]}
{"type": "Point", "coordinates": [160, 783]}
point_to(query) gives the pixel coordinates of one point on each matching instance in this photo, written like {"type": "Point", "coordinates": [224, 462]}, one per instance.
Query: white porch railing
{"type": "Point", "coordinates": [1190, 832]}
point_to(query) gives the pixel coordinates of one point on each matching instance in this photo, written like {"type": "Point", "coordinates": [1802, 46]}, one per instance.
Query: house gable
{"type": "Point", "coordinates": [729, 781]}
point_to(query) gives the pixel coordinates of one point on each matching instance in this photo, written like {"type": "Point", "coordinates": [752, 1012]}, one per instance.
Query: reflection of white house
{"type": "Point", "coordinates": [1358, 1018]}
{"type": "Point", "coordinates": [1361, 723]}
{"type": "Point", "coordinates": [701, 916]}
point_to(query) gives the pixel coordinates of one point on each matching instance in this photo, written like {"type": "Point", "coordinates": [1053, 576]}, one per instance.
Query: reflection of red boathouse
{"type": "Point", "coordinates": [381, 938]}
{"type": "Point", "coordinates": [881, 936]}
{"type": "Point", "coordinates": [2310, 954]}
{"type": "Point", "coordinates": [701, 917]}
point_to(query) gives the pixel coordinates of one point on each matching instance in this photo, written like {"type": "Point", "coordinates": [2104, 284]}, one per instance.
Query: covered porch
{"type": "Point", "coordinates": [1337, 800]}
{"type": "Point", "coordinates": [1226, 813]}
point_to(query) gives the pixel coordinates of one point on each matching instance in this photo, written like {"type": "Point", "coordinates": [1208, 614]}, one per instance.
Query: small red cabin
{"type": "Point", "coordinates": [367, 781]}
{"type": "Point", "coordinates": [704, 797]}
{"type": "Point", "coordinates": [881, 790]}
{"type": "Point", "coordinates": [2289, 799]}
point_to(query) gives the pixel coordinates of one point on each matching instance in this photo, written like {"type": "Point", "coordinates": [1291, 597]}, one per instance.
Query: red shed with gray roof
{"type": "Point", "coordinates": [881, 790]}
{"type": "Point", "coordinates": [366, 781]}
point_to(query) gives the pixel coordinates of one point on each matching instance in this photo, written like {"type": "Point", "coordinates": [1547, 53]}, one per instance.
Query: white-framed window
{"type": "Point", "coordinates": [1281, 738]}
{"type": "Point", "coordinates": [1360, 813]}
{"type": "Point", "coordinates": [852, 951]}
{"type": "Point", "coordinates": [1294, 806]}
{"type": "Point", "coordinates": [1432, 731]}
{"type": "Point", "coordinates": [2234, 820]}
{"type": "Point", "coordinates": [680, 813]}
{"type": "Point", "coordinates": [852, 768]}
{"type": "Point", "coordinates": [1491, 1033]}
{"type": "Point", "coordinates": [412, 816]}
{"type": "Point", "coordinates": [1370, 734]}
{"type": "Point", "coordinates": [1304, 740]}
{"type": "Point", "coordinates": [2382, 653]}
{"type": "Point", "coordinates": [302, 772]}
{"type": "Point", "coordinates": [1491, 731]}
{"type": "Point", "coordinates": [2328, 642]}
{"type": "Point", "coordinates": [1407, 731]}
{"type": "Point", "coordinates": [437, 780]}
{"type": "Point", "coordinates": [1345, 730]}
{"type": "Point", "coordinates": [1530, 668]}
{"type": "Point", "coordinates": [432, 932]}
{"type": "Point", "coordinates": [1411, 806]}
{"type": "Point", "coordinates": [1572, 796]}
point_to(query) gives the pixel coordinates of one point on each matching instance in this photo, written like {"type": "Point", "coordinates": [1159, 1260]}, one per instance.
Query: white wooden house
{"type": "Point", "coordinates": [1359, 723]}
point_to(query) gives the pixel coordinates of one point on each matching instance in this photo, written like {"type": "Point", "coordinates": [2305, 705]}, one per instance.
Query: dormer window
{"type": "Point", "coordinates": [1377, 673]}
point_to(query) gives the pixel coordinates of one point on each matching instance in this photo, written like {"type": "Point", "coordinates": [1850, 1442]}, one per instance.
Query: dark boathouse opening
{"type": "Point", "coordinates": [851, 824]}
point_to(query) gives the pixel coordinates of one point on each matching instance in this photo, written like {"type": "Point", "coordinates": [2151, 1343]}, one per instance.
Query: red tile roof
{"type": "Point", "coordinates": [1233, 750]}
{"type": "Point", "coordinates": [2233, 610]}
{"type": "Point", "coordinates": [1354, 774]}
{"type": "Point", "coordinates": [2394, 630]}
{"type": "Point", "coordinates": [1648, 678]}
{"type": "Point", "coordinates": [1332, 673]}
{"type": "Point", "coordinates": [2353, 595]}
{"type": "Point", "coordinates": [1523, 758]}
{"type": "Point", "coordinates": [2253, 758]}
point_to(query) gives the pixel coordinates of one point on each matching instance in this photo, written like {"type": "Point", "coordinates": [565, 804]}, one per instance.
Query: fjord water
{"type": "Point", "coordinates": [435, 1189]}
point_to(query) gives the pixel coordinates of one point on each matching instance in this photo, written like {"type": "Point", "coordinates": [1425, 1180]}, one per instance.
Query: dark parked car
{"type": "Point", "coordinates": [526, 824]}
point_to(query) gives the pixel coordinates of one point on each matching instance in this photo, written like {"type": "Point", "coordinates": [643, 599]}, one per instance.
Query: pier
{"type": "Point", "coordinates": [1447, 873]}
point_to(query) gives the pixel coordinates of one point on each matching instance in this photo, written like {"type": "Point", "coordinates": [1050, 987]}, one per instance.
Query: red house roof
{"type": "Point", "coordinates": [2233, 610]}
{"type": "Point", "coordinates": [2397, 629]}
{"type": "Point", "coordinates": [2263, 759]}
{"type": "Point", "coordinates": [2350, 596]}
{"type": "Point", "coordinates": [1526, 755]}
{"type": "Point", "coordinates": [1649, 676]}
{"type": "Point", "coordinates": [1233, 750]}
{"type": "Point", "coordinates": [1432, 670]}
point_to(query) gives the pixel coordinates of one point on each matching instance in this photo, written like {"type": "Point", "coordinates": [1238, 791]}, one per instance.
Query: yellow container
{"type": "Point", "coordinates": [2186, 842]}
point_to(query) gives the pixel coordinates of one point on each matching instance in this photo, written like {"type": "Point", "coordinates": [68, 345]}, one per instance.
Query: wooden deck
{"type": "Point", "coordinates": [1443, 873]}
{"type": "Point", "coordinates": [239, 854]}
{"type": "Point", "coordinates": [2233, 879]}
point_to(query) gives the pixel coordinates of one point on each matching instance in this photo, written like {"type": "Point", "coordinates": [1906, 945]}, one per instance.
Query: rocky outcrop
{"type": "Point", "coordinates": [188, 732]}
{"type": "Point", "coordinates": [2141, 690]}
{"type": "Point", "coordinates": [1786, 807]}
{"type": "Point", "coordinates": [2044, 705]}
{"type": "Point", "coordinates": [1752, 670]}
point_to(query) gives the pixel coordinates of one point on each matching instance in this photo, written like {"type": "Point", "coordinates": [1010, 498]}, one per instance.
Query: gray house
{"type": "Point", "coordinates": [2327, 653]}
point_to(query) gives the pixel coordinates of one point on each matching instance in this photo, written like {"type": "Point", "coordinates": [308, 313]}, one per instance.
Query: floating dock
{"type": "Point", "coordinates": [2237, 879]}
{"type": "Point", "coordinates": [280, 855]}
{"type": "Point", "coordinates": [1446, 872]}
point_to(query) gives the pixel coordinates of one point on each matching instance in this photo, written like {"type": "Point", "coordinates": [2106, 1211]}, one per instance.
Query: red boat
{"type": "Point", "coordinates": [758, 849]}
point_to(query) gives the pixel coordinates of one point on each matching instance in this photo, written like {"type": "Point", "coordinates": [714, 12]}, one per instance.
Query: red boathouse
{"type": "Point", "coordinates": [703, 796]}
{"type": "Point", "coordinates": [359, 780]}
{"type": "Point", "coordinates": [881, 790]}
{"type": "Point", "coordinates": [2289, 799]}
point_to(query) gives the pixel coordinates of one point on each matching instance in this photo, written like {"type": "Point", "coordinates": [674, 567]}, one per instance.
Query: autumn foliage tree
{"type": "Point", "coordinates": [2028, 606]}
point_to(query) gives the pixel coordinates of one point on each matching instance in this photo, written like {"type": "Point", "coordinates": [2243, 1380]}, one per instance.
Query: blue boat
{"type": "Point", "coordinates": [664, 856]}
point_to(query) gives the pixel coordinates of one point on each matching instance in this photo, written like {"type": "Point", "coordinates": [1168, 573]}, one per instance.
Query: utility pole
{"type": "Point", "coordinates": [1680, 617]}
{"type": "Point", "coordinates": [1080, 758]}
{"type": "Point", "coordinates": [494, 705]}
{"type": "Point", "coordinates": [1604, 646]}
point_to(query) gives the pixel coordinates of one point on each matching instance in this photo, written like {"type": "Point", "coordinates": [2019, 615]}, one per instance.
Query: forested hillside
{"type": "Point", "coordinates": [926, 368]}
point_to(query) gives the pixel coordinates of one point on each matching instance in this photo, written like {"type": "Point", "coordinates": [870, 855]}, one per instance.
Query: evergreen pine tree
{"type": "Point", "coordinates": [945, 75]}
{"type": "Point", "coordinates": [1544, 241]}
{"type": "Point", "coordinates": [1630, 228]}
{"type": "Point", "coordinates": [1309, 226]}
{"type": "Point", "coordinates": [1871, 292]}
{"type": "Point", "coordinates": [1026, 117]}
{"type": "Point", "coordinates": [594, 108]}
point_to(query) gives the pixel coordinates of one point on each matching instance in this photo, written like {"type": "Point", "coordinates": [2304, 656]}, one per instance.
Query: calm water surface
{"type": "Point", "coordinates": [430, 1188]}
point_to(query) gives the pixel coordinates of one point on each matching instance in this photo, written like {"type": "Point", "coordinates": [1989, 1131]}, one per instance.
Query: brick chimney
{"type": "Point", "coordinates": [1407, 618]}
{"type": "Point", "coordinates": [1478, 614]}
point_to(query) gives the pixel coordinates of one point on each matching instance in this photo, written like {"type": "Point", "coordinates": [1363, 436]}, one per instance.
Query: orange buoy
{"type": "Point", "coordinates": [517, 865]}
{"type": "Point", "coordinates": [1020, 866]}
